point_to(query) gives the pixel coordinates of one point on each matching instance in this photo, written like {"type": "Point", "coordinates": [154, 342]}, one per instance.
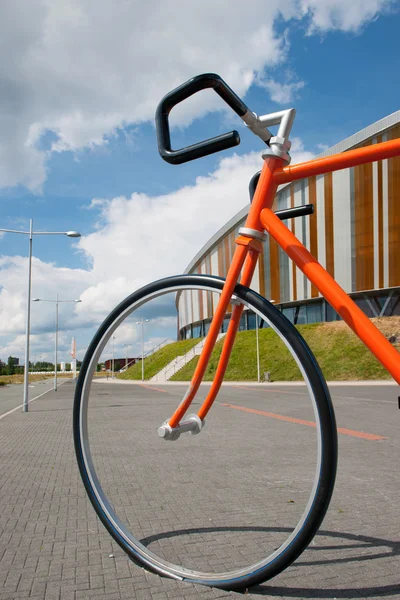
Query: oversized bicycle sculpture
{"type": "Point", "coordinates": [261, 219]}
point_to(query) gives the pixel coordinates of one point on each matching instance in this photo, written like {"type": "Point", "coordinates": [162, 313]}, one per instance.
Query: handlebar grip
{"type": "Point", "coordinates": [206, 147]}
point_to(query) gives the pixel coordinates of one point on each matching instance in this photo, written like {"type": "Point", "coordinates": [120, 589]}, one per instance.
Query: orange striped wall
{"type": "Point", "coordinates": [374, 258]}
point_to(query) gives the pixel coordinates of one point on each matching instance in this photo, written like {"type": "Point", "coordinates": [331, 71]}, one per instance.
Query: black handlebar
{"type": "Point", "coordinates": [221, 142]}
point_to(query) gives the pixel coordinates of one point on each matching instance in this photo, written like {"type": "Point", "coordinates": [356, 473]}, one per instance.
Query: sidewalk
{"type": "Point", "coordinates": [53, 547]}
{"type": "Point", "coordinates": [11, 395]}
{"type": "Point", "coordinates": [262, 384]}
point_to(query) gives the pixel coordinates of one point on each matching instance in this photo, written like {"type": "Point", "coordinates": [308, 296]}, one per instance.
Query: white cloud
{"type": "Point", "coordinates": [282, 93]}
{"type": "Point", "coordinates": [154, 237]}
{"type": "Point", "coordinates": [41, 347]}
{"type": "Point", "coordinates": [47, 282]}
{"type": "Point", "coordinates": [328, 15]}
{"type": "Point", "coordinates": [298, 152]}
{"type": "Point", "coordinates": [83, 69]}
{"type": "Point", "coordinates": [141, 239]}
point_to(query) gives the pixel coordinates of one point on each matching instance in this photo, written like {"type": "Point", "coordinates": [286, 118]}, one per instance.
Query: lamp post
{"type": "Point", "coordinates": [112, 360]}
{"type": "Point", "coordinates": [126, 355]}
{"type": "Point", "coordinates": [56, 302]}
{"type": "Point", "coordinates": [31, 233]}
{"type": "Point", "coordinates": [141, 322]}
{"type": "Point", "coordinates": [258, 347]}
{"type": "Point", "coordinates": [258, 351]}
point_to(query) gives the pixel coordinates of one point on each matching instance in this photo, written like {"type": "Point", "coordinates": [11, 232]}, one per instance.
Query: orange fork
{"type": "Point", "coordinates": [263, 197]}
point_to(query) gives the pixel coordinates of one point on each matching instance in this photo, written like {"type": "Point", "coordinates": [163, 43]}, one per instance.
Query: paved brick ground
{"type": "Point", "coordinates": [212, 501]}
{"type": "Point", "coordinates": [11, 396]}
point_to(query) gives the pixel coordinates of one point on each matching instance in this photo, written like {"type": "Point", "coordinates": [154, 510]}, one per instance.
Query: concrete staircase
{"type": "Point", "coordinates": [180, 361]}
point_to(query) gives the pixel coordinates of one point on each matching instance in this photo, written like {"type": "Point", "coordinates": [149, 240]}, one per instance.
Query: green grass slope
{"type": "Point", "coordinates": [157, 361]}
{"type": "Point", "coordinates": [338, 351]}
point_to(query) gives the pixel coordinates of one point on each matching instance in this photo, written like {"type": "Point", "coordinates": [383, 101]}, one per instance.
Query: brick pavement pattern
{"type": "Point", "coordinates": [211, 502]}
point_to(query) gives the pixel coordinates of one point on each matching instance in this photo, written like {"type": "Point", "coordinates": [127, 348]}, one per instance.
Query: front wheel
{"type": "Point", "coordinates": [236, 504]}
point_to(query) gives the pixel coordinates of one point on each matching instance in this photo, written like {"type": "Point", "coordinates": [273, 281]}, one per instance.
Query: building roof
{"type": "Point", "coordinates": [353, 141]}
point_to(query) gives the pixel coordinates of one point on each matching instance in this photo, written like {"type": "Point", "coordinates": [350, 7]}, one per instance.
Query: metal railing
{"type": "Point", "coordinates": [180, 361]}
{"type": "Point", "coordinates": [133, 361]}
{"type": "Point", "coordinates": [195, 351]}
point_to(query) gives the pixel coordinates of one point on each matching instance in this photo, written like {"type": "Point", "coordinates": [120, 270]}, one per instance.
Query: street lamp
{"type": "Point", "coordinates": [258, 351]}
{"type": "Point", "coordinates": [141, 322]}
{"type": "Point", "coordinates": [56, 302]}
{"type": "Point", "coordinates": [31, 233]}
{"type": "Point", "coordinates": [126, 355]}
{"type": "Point", "coordinates": [112, 360]}
{"type": "Point", "coordinates": [258, 347]}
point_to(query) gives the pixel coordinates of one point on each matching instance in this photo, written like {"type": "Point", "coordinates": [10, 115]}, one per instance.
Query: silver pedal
{"type": "Point", "coordinates": [192, 424]}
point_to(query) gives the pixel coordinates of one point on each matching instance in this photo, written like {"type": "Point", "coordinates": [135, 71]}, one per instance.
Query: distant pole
{"type": "Point", "coordinates": [142, 350]}
{"type": "Point", "coordinates": [28, 321]}
{"type": "Point", "coordinates": [112, 361]}
{"type": "Point", "coordinates": [56, 302]}
{"type": "Point", "coordinates": [73, 354]}
{"type": "Point", "coordinates": [258, 351]}
{"type": "Point", "coordinates": [56, 344]}
{"type": "Point", "coordinates": [31, 233]}
{"type": "Point", "coordinates": [141, 323]}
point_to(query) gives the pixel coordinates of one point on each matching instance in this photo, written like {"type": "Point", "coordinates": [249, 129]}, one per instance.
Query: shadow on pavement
{"type": "Point", "coordinates": [360, 542]}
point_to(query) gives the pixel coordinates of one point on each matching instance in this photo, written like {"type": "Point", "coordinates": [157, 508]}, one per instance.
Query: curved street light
{"type": "Point", "coordinates": [141, 322]}
{"type": "Point", "coordinates": [112, 361]}
{"type": "Point", "coordinates": [31, 233]}
{"type": "Point", "coordinates": [258, 347]}
{"type": "Point", "coordinates": [56, 302]}
{"type": "Point", "coordinates": [126, 346]}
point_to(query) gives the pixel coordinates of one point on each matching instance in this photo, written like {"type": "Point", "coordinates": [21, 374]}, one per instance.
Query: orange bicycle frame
{"type": "Point", "coordinates": [260, 218]}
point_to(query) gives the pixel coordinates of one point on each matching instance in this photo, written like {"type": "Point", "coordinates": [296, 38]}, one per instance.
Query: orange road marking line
{"type": "Point", "coordinates": [149, 387]}
{"type": "Point", "coordinates": [351, 432]}
{"type": "Point", "coordinates": [257, 389]}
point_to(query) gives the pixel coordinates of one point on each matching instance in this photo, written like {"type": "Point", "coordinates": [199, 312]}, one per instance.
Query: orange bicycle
{"type": "Point", "coordinates": [273, 548]}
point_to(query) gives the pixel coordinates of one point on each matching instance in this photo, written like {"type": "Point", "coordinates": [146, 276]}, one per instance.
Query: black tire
{"type": "Point", "coordinates": [325, 472]}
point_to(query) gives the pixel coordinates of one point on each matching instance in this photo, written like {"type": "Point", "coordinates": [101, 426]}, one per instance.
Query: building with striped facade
{"type": "Point", "coordinates": [354, 233]}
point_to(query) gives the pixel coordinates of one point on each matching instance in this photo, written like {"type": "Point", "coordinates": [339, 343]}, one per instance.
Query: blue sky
{"type": "Point", "coordinates": [76, 126]}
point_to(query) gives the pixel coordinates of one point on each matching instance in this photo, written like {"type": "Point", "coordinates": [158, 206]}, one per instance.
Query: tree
{"type": "Point", "coordinates": [44, 366]}
{"type": "Point", "coordinates": [11, 365]}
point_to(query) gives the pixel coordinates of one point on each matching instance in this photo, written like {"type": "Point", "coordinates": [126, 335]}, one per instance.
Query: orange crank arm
{"type": "Point", "coordinates": [336, 296]}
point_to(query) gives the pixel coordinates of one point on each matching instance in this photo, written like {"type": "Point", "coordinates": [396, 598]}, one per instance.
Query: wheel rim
{"type": "Point", "coordinates": [138, 551]}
